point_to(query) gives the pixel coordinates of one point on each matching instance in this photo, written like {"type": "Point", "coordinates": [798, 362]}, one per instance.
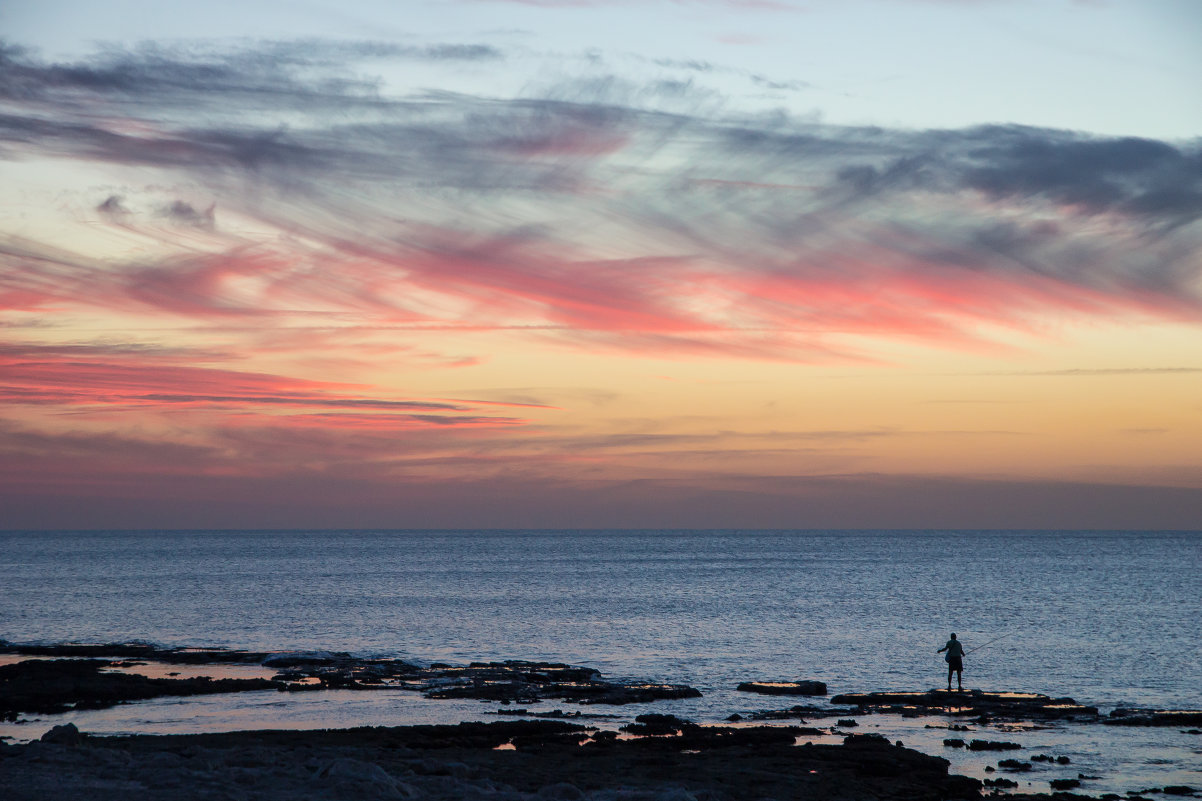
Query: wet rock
{"type": "Point", "coordinates": [57, 685]}
{"type": "Point", "coordinates": [954, 742]}
{"type": "Point", "coordinates": [66, 734]}
{"type": "Point", "coordinates": [1064, 784]}
{"type": "Point", "coordinates": [1154, 717]}
{"type": "Point", "coordinates": [992, 745]}
{"type": "Point", "coordinates": [847, 723]}
{"type": "Point", "coordinates": [529, 682]}
{"type": "Point", "coordinates": [866, 739]}
{"type": "Point", "coordinates": [1179, 789]}
{"type": "Point", "coordinates": [48, 686]}
{"type": "Point", "coordinates": [801, 713]}
{"type": "Point", "coordinates": [653, 724]}
{"type": "Point", "coordinates": [808, 687]}
{"type": "Point", "coordinates": [137, 650]}
{"type": "Point", "coordinates": [1014, 765]}
{"type": "Point", "coordinates": [1000, 783]}
{"type": "Point", "coordinates": [975, 703]}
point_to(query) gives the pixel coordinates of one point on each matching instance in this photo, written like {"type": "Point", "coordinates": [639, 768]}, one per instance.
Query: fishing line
{"type": "Point", "coordinates": [991, 642]}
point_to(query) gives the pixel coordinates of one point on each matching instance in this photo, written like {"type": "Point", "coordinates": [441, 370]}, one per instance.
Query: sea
{"type": "Point", "coordinates": [1111, 619]}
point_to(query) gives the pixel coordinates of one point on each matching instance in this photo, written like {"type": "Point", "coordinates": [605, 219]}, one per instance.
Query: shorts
{"type": "Point", "coordinates": [955, 663]}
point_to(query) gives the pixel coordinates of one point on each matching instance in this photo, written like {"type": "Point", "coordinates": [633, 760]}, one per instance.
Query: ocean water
{"type": "Point", "coordinates": [1109, 618]}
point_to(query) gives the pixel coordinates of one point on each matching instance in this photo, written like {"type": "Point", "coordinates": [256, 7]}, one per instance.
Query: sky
{"type": "Point", "coordinates": [601, 263]}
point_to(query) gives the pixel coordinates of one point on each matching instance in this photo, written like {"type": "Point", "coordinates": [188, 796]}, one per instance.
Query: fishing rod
{"type": "Point", "coordinates": [991, 642]}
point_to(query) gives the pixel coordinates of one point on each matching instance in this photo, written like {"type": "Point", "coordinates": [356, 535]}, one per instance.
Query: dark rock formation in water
{"type": "Point", "coordinates": [783, 687]}
{"type": "Point", "coordinates": [974, 703]}
{"type": "Point", "coordinates": [992, 745]}
{"type": "Point", "coordinates": [541, 760]}
{"type": "Point", "coordinates": [527, 682]}
{"type": "Point", "coordinates": [801, 713]}
{"type": "Point", "coordinates": [58, 685]}
{"type": "Point", "coordinates": [138, 650]}
{"type": "Point", "coordinates": [1154, 717]}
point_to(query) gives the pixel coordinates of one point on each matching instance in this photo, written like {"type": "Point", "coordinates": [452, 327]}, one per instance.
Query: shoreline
{"type": "Point", "coordinates": [973, 730]}
{"type": "Point", "coordinates": [506, 761]}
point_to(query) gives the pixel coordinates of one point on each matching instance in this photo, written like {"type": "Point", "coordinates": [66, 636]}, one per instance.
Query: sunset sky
{"type": "Point", "coordinates": [601, 263]}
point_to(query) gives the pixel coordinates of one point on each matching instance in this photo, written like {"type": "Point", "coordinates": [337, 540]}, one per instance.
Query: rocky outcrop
{"type": "Point", "coordinates": [58, 685]}
{"type": "Point", "coordinates": [802, 713]}
{"type": "Point", "coordinates": [974, 703]}
{"type": "Point", "coordinates": [783, 687]}
{"type": "Point", "coordinates": [137, 650]}
{"type": "Point", "coordinates": [541, 761]}
{"type": "Point", "coordinates": [528, 682]}
{"type": "Point", "coordinates": [1154, 717]}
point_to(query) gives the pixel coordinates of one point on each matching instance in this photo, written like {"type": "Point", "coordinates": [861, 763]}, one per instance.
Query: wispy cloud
{"type": "Point", "coordinates": [290, 221]}
{"type": "Point", "coordinates": [482, 202]}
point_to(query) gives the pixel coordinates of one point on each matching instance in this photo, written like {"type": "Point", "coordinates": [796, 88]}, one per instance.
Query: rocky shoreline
{"type": "Point", "coordinates": [503, 761]}
{"type": "Point", "coordinates": [75, 676]}
{"type": "Point", "coordinates": [539, 755]}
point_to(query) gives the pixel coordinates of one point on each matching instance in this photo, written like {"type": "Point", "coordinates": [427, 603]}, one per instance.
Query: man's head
{"type": "Point", "coordinates": [953, 635]}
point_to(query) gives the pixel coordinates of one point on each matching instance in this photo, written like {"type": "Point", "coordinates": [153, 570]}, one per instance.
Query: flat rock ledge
{"type": "Point", "coordinates": [47, 686]}
{"type": "Point", "coordinates": [972, 703]}
{"type": "Point", "coordinates": [503, 761]}
{"type": "Point", "coordinates": [1154, 717]}
{"type": "Point", "coordinates": [808, 687]}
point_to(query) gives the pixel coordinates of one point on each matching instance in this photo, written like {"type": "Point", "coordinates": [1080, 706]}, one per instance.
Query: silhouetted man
{"type": "Point", "coordinates": [955, 661]}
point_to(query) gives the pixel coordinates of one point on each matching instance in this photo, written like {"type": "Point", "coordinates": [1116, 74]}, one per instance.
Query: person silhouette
{"type": "Point", "coordinates": [955, 661]}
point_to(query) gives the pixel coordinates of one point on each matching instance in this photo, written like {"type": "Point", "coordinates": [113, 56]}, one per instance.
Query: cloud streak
{"type": "Point", "coordinates": [945, 229]}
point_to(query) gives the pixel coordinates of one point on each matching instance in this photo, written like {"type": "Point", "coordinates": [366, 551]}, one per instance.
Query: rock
{"type": "Point", "coordinates": [975, 703]}
{"type": "Point", "coordinates": [866, 739]}
{"type": "Point", "coordinates": [1179, 789]}
{"type": "Point", "coordinates": [847, 723]}
{"type": "Point", "coordinates": [1154, 717]}
{"type": "Point", "coordinates": [954, 742]}
{"type": "Point", "coordinates": [51, 686]}
{"type": "Point", "coordinates": [1064, 784]}
{"type": "Point", "coordinates": [808, 687]}
{"type": "Point", "coordinates": [1014, 765]}
{"type": "Point", "coordinates": [653, 724]}
{"type": "Point", "coordinates": [1000, 782]}
{"type": "Point", "coordinates": [66, 734]}
{"type": "Point", "coordinates": [800, 713]}
{"type": "Point", "coordinates": [992, 745]}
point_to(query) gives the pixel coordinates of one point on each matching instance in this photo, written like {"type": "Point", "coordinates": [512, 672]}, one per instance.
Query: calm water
{"type": "Point", "coordinates": [1108, 618]}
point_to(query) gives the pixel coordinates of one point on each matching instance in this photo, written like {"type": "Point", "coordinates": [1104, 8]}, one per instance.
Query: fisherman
{"type": "Point", "coordinates": [955, 661]}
